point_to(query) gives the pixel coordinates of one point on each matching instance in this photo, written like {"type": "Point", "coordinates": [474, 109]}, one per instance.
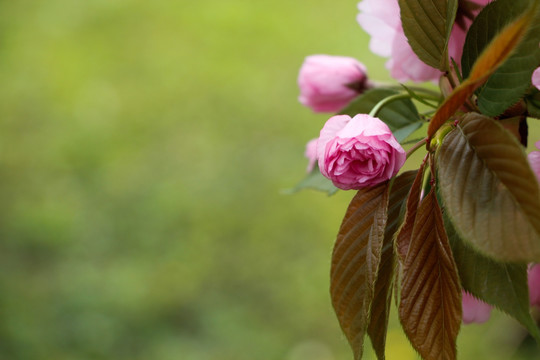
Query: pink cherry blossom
{"type": "Point", "coordinates": [311, 154]}
{"type": "Point", "coordinates": [534, 284]}
{"type": "Point", "coordinates": [328, 83]}
{"type": "Point", "coordinates": [536, 78]}
{"type": "Point", "coordinates": [534, 270]}
{"type": "Point", "coordinates": [534, 160]}
{"type": "Point", "coordinates": [474, 310]}
{"type": "Point", "coordinates": [358, 152]}
{"type": "Point", "coordinates": [381, 20]}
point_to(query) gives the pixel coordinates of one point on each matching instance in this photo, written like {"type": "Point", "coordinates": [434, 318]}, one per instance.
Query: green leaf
{"type": "Point", "coordinates": [418, 98]}
{"type": "Point", "coordinates": [533, 104]}
{"type": "Point", "coordinates": [401, 116]}
{"type": "Point", "coordinates": [315, 181]}
{"type": "Point", "coordinates": [493, 56]}
{"type": "Point", "coordinates": [489, 190]}
{"type": "Point", "coordinates": [511, 80]}
{"type": "Point", "coordinates": [430, 304]}
{"type": "Point", "coordinates": [380, 308]}
{"type": "Point", "coordinates": [355, 262]}
{"type": "Point", "coordinates": [427, 25]}
{"type": "Point", "coordinates": [503, 285]}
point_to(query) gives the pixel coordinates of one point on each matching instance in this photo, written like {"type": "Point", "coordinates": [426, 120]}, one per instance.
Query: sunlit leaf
{"type": "Point", "coordinates": [355, 262]}
{"type": "Point", "coordinates": [511, 80]}
{"type": "Point", "coordinates": [489, 190]}
{"type": "Point", "coordinates": [401, 115]}
{"type": "Point", "coordinates": [427, 25]}
{"type": "Point", "coordinates": [498, 50]}
{"type": "Point", "coordinates": [503, 285]}
{"type": "Point", "coordinates": [380, 308]}
{"type": "Point", "coordinates": [430, 305]}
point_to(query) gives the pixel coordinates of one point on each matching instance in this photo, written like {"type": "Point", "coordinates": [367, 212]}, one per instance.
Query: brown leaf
{"type": "Point", "coordinates": [403, 237]}
{"type": "Point", "coordinates": [491, 58]}
{"type": "Point", "coordinates": [489, 190]}
{"type": "Point", "coordinates": [355, 261]}
{"type": "Point", "coordinates": [380, 308]}
{"type": "Point", "coordinates": [430, 306]}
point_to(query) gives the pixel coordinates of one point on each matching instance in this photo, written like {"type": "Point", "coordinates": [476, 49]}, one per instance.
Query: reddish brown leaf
{"type": "Point", "coordinates": [491, 58]}
{"type": "Point", "coordinates": [380, 307]}
{"type": "Point", "coordinates": [489, 190]}
{"type": "Point", "coordinates": [430, 306]}
{"type": "Point", "coordinates": [403, 236]}
{"type": "Point", "coordinates": [355, 262]}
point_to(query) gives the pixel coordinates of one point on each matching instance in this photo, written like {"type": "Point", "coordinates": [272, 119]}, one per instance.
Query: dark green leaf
{"type": "Point", "coordinates": [491, 58]}
{"type": "Point", "coordinates": [401, 115]}
{"type": "Point", "coordinates": [533, 104]}
{"type": "Point", "coordinates": [427, 25]}
{"type": "Point", "coordinates": [380, 308]}
{"type": "Point", "coordinates": [502, 285]}
{"type": "Point", "coordinates": [489, 190]}
{"type": "Point", "coordinates": [355, 262]}
{"type": "Point", "coordinates": [511, 80]}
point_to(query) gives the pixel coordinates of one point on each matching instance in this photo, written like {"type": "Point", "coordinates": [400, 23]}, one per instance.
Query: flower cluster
{"type": "Point", "coordinates": [475, 197]}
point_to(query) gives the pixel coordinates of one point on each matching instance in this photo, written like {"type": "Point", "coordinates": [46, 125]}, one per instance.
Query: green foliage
{"type": "Point", "coordinates": [490, 229]}
{"type": "Point", "coordinates": [491, 58]}
{"type": "Point", "coordinates": [427, 25]}
{"type": "Point", "coordinates": [511, 80]}
{"type": "Point", "coordinates": [533, 104]}
{"type": "Point", "coordinates": [315, 181]}
{"type": "Point", "coordinates": [401, 115]}
{"type": "Point", "coordinates": [503, 285]}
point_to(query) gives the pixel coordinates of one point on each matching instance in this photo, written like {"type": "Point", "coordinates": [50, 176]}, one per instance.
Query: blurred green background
{"type": "Point", "coordinates": [144, 150]}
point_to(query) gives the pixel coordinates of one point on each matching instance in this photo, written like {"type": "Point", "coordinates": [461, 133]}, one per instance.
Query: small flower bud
{"type": "Point", "coordinates": [328, 83]}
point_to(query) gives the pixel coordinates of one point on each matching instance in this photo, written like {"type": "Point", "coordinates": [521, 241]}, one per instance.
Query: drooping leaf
{"type": "Point", "coordinates": [489, 190]}
{"type": "Point", "coordinates": [430, 306]}
{"type": "Point", "coordinates": [355, 262]}
{"type": "Point", "coordinates": [427, 25]}
{"type": "Point", "coordinates": [401, 115]}
{"type": "Point", "coordinates": [315, 181]}
{"type": "Point", "coordinates": [380, 308]}
{"type": "Point", "coordinates": [511, 80]}
{"type": "Point", "coordinates": [493, 55]}
{"type": "Point", "coordinates": [403, 236]}
{"type": "Point", "coordinates": [502, 285]}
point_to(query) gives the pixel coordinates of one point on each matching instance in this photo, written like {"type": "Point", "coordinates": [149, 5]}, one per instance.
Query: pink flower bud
{"type": "Point", "coordinates": [536, 78]}
{"type": "Point", "coordinates": [358, 152]}
{"type": "Point", "coordinates": [534, 285]}
{"type": "Point", "coordinates": [328, 83]}
{"type": "Point", "coordinates": [311, 154]}
{"type": "Point", "coordinates": [474, 310]}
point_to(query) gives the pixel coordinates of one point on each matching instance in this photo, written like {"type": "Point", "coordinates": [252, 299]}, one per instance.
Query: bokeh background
{"type": "Point", "coordinates": [145, 147]}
